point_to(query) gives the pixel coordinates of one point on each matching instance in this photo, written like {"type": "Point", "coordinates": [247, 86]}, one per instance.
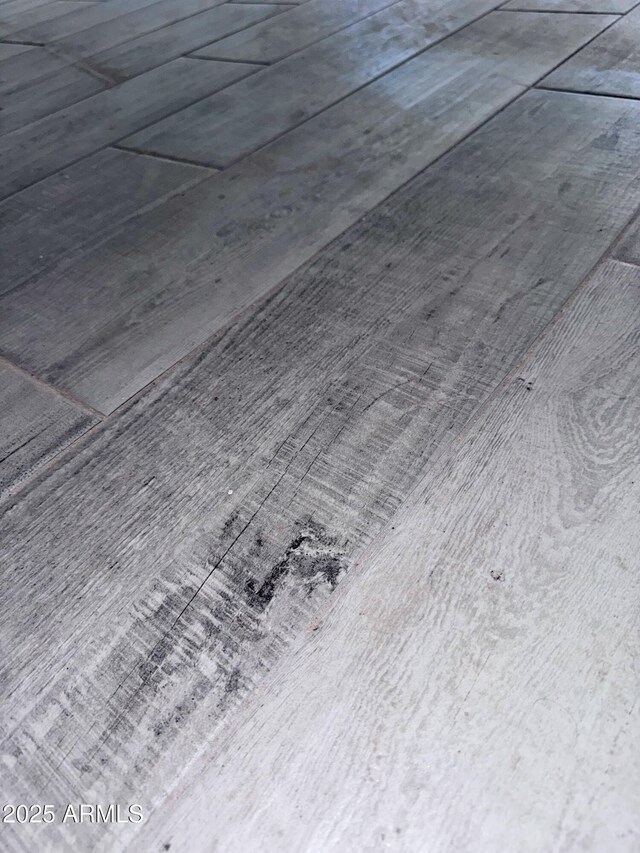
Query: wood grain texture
{"type": "Point", "coordinates": [35, 425]}
{"type": "Point", "coordinates": [38, 150]}
{"type": "Point", "coordinates": [11, 7]}
{"type": "Point", "coordinates": [610, 65]}
{"type": "Point", "coordinates": [312, 21]}
{"type": "Point", "coordinates": [612, 7]}
{"type": "Point", "coordinates": [30, 64]}
{"type": "Point", "coordinates": [148, 51]}
{"type": "Point", "coordinates": [476, 686]}
{"type": "Point", "coordinates": [80, 19]}
{"type": "Point", "coordinates": [47, 95]}
{"type": "Point", "coordinates": [216, 132]}
{"type": "Point", "coordinates": [82, 206]}
{"type": "Point", "coordinates": [199, 259]}
{"type": "Point", "coordinates": [107, 34]}
{"type": "Point", "coordinates": [20, 21]}
{"type": "Point", "coordinates": [71, 83]}
{"type": "Point", "coordinates": [627, 247]}
{"type": "Point", "coordinates": [216, 512]}
{"type": "Point", "coordinates": [9, 50]}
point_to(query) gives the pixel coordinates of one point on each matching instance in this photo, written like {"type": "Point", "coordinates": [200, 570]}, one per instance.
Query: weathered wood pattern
{"type": "Point", "coordinates": [154, 16]}
{"type": "Point", "coordinates": [198, 259]}
{"type": "Point", "coordinates": [29, 64]}
{"type": "Point", "coordinates": [82, 206]}
{"type": "Point", "coordinates": [614, 7]}
{"type": "Point", "coordinates": [312, 21]}
{"type": "Point", "coordinates": [80, 19]}
{"type": "Point", "coordinates": [216, 132]}
{"type": "Point", "coordinates": [32, 17]}
{"type": "Point", "coordinates": [72, 83]}
{"type": "Point", "coordinates": [148, 51]}
{"type": "Point", "coordinates": [610, 65]}
{"type": "Point", "coordinates": [35, 424]}
{"type": "Point", "coordinates": [38, 150]}
{"type": "Point", "coordinates": [12, 7]}
{"type": "Point", "coordinates": [9, 50]}
{"type": "Point", "coordinates": [274, 2]}
{"type": "Point", "coordinates": [627, 247]}
{"type": "Point", "coordinates": [47, 95]}
{"type": "Point", "coordinates": [475, 688]}
{"type": "Point", "coordinates": [219, 509]}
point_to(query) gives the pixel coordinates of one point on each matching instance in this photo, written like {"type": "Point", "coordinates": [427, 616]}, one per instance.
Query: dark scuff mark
{"type": "Point", "coordinates": [311, 556]}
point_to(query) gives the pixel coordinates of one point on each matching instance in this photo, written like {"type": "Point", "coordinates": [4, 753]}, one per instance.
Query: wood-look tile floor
{"type": "Point", "coordinates": [319, 406]}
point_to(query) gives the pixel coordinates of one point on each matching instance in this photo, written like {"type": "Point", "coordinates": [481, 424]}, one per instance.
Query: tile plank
{"type": "Point", "coordinates": [73, 83]}
{"type": "Point", "coordinates": [200, 258]}
{"type": "Point", "coordinates": [219, 509]}
{"type": "Point", "coordinates": [218, 131]}
{"type": "Point", "coordinates": [125, 27]}
{"type": "Point", "coordinates": [38, 150]}
{"type": "Point", "coordinates": [8, 50]}
{"type": "Point", "coordinates": [20, 21]}
{"type": "Point", "coordinates": [315, 20]}
{"type": "Point", "coordinates": [153, 49]}
{"type": "Point", "coordinates": [487, 641]}
{"type": "Point", "coordinates": [80, 19]}
{"type": "Point", "coordinates": [612, 7]}
{"type": "Point", "coordinates": [627, 247]}
{"type": "Point", "coordinates": [31, 101]}
{"type": "Point", "coordinates": [610, 65]}
{"type": "Point", "coordinates": [35, 425]}
{"type": "Point", "coordinates": [30, 64]}
{"type": "Point", "coordinates": [82, 206]}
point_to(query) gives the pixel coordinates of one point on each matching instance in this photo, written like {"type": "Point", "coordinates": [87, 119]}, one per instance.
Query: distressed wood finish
{"type": "Point", "coordinates": [628, 246]}
{"type": "Point", "coordinates": [35, 424]}
{"type": "Point", "coordinates": [141, 54]}
{"type": "Point", "coordinates": [476, 686]}
{"type": "Point", "coordinates": [31, 63]}
{"type": "Point", "coordinates": [48, 95]}
{"type": "Point", "coordinates": [315, 20]}
{"type": "Point", "coordinates": [78, 20]}
{"type": "Point", "coordinates": [38, 150]}
{"type": "Point", "coordinates": [216, 512]}
{"type": "Point", "coordinates": [610, 65]}
{"type": "Point", "coordinates": [613, 7]}
{"type": "Point", "coordinates": [11, 24]}
{"type": "Point", "coordinates": [198, 259]}
{"type": "Point", "coordinates": [125, 27]}
{"type": "Point", "coordinates": [216, 132]}
{"type": "Point", "coordinates": [72, 83]}
{"type": "Point", "coordinates": [9, 50]}
{"type": "Point", "coordinates": [82, 206]}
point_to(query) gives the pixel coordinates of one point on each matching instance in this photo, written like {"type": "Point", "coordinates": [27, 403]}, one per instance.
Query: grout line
{"type": "Point", "coordinates": [536, 83]}
{"type": "Point", "coordinates": [70, 398]}
{"type": "Point", "coordinates": [255, 305]}
{"type": "Point", "coordinates": [549, 88]}
{"type": "Point", "coordinates": [359, 88]}
{"type": "Point", "coordinates": [139, 153]}
{"type": "Point", "coordinates": [25, 43]}
{"type": "Point", "coordinates": [168, 157]}
{"type": "Point", "coordinates": [112, 143]}
{"type": "Point", "coordinates": [398, 65]}
{"type": "Point", "coordinates": [617, 15]}
{"type": "Point", "coordinates": [323, 38]}
{"type": "Point", "coordinates": [194, 55]}
{"type": "Point", "coordinates": [258, 68]}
